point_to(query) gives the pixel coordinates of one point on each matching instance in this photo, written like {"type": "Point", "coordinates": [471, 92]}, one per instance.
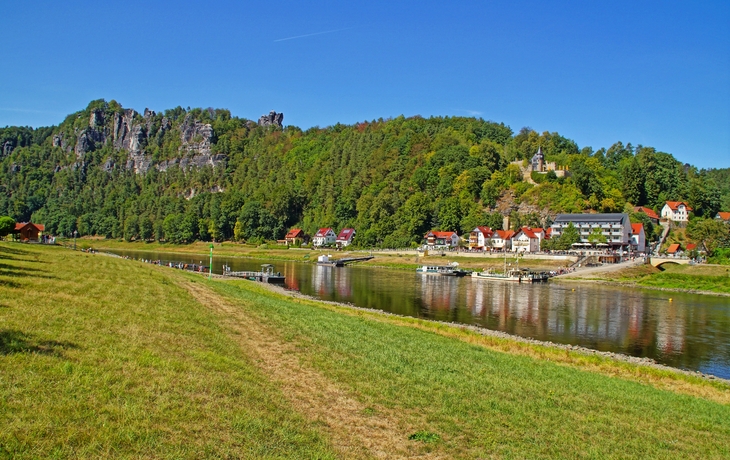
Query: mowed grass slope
{"type": "Point", "coordinates": [486, 404]}
{"type": "Point", "coordinates": [107, 358]}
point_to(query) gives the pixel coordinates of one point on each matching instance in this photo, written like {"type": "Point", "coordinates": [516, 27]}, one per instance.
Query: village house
{"type": "Point", "coordinates": [676, 211]}
{"type": "Point", "coordinates": [295, 237]}
{"type": "Point", "coordinates": [502, 240]}
{"type": "Point", "coordinates": [723, 216]}
{"type": "Point", "coordinates": [28, 231]}
{"type": "Point", "coordinates": [525, 240]}
{"type": "Point", "coordinates": [675, 250]}
{"type": "Point", "coordinates": [638, 237]}
{"type": "Point", "coordinates": [653, 217]}
{"type": "Point", "coordinates": [442, 239]}
{"type": "Point", "coordinates": [480, 238]}
{"type": "Point", "coordinates": [324, 237]}
{"type": "Point", "coordinates": [345, 237]}
{"type": "Point", "coordinates": [615, 227]}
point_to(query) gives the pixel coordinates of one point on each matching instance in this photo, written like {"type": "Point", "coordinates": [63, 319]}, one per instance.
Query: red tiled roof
{"type": "Point", "coordinates": [322, 232]}
{"type": "Point", "coordinates": [345, 234]}
{"type": "Point", "coordinates": [295, 233]}
{"type": "Point", "coordinates": [527, 231]}
{"type": "Point", "coordinates": [691, 246]}
{"type": "Point", "coordinates": [548, 232]}
{"type": "Point", "coordinates": [505, 234]}
{"type": "Point", "coordinates": [441, 234]}
{"type": "Point", "coordinates": [636, 228]}
{"type": "Point", "coordinates": [649, 212]}
{"type": "Point", "coordinates": [673, 205]}
{"type": "Point", "coordinates": [486, 231]}
{"type": "Point", "coordinates": [724, 215]}
{"type": "Point", "coordinates": [673, 248]}
{"type": "Point", "coordinates": [21, 225]}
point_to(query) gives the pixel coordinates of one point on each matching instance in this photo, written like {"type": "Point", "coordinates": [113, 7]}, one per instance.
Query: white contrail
{"type": "Point", "coordinates": [310, 35]}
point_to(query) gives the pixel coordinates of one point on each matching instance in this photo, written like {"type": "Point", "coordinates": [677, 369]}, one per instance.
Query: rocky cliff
{"type": "Point", "coordinates": [127, 130]}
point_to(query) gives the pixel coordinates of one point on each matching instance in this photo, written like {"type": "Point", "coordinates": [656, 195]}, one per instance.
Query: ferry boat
{"type": "Point", "coordinates": [516, 276]}
{"type": "Point", "coordinates": [441, 270]}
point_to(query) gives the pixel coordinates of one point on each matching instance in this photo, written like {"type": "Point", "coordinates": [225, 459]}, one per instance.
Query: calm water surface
{"type": "Point", "coordinates": [690, 332]}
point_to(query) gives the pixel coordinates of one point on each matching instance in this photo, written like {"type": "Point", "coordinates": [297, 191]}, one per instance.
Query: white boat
{"type": "Point", "coordinates": [441, 270]}
{"type": "Point", "coordinates": [516, 275]}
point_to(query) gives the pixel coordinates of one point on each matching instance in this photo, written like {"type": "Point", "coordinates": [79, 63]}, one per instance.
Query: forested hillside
{"type": "Point", "coordinates": [202, 174]}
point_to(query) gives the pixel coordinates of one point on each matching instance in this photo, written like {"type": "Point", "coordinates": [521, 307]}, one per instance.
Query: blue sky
{"type": "Point", "coordinates": [650, 73]}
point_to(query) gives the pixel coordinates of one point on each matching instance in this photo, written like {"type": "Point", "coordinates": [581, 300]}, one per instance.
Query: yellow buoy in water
{"type": "Point", "coordinates": [670, 299]}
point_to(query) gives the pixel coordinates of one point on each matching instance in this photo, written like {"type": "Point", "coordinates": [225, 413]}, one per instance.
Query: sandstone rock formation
{"type": "Point", "coordinates": [273, 118]}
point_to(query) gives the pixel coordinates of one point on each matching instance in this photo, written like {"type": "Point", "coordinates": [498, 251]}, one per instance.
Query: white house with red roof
{"type": "Point", "coordinates": [442, 239]}
{"type": "Point", "coordinates": [324, 237]}
{"type": "Point", "coordinates": [502, 240]}
{"type": "Point", "coordinates": [525, 240]}
{"type": "Point", "coordinates": [638, 237]}
{"type": "Point", "coordinates": [480, 238]}
{"type": "Point", "coordinates": [676, 211]}
{"type": "Point", "coordinates": [345, 237]}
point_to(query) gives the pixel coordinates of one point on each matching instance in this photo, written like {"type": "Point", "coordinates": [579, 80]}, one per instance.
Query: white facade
{"type": "Point", "coordinates": [525, 242]}
{"type": "Point", "coordinates": [638, 237]}
{"type": "Point", "coordinates": [676, 211]}
{"type": "Point", "coordinates": [615, 227]}
{"type": "Point", "coordinates": [324, 237]}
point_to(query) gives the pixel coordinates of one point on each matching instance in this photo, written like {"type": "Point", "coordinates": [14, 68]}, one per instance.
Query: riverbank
{"type": "Point", "coordinates": [705, 279]}
{"type": "Point", "coordinates": [451, 329]}
{"type": "Point", "coordinates": [102, 356]}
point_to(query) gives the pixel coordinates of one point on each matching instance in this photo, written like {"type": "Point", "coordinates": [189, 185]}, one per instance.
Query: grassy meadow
{"type": "Point", "coordinates": [708, 278]}
{"type": "Point", "coordinates": [102, 357]}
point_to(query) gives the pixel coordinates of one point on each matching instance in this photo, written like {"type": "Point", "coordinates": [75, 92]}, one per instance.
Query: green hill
{"type": "Point", "coordinates": [188, 174]}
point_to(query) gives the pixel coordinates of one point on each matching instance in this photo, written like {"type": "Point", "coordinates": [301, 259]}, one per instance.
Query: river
{"type": "Point", "coordinates": [689, 331]}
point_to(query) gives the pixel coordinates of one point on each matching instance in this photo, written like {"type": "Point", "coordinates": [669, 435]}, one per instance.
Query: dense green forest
{"type": "Point", "coordinates": [188, 174]}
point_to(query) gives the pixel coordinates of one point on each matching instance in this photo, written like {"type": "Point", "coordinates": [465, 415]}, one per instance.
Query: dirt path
{"type": "Point", "coordinates": [354, 432]}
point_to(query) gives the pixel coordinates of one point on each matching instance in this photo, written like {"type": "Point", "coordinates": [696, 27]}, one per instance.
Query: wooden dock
{"type": "Point", "coordinates": [266, 275]}
{"type": "Point", "coordinates": [343, 262]}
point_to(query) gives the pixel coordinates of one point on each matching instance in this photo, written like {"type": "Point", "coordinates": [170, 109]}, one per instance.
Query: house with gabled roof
{"type": "Point", "coordinates": [653, 217]}
{"type": "Point", "coordinates": [674, 249]}
{"type": "Point", "coordinates": [28, 231]}
{"type": "Point", "coordinates": [502, 240]}
{"type": "Point", "coordinates": [480, 237]}
{"type": "Point", "coordinates": [344, 238]}
{"type": "Point", "coordinates": [638, 237]}
{"type": "Point", "coordinates": [295, 237]}
{"type": "Point", "coordinates": [723, 216]}
{"type": "Point", "coordinates": [525, 240]}
{"type": "Point", "coordinates": [435, 239]}
{"type": "Point", "coordinates": [324, 237]}
{"type": "Point", "coordinates": [676, 211]}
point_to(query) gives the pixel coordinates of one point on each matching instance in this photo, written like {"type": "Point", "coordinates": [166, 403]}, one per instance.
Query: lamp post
{"type": "Point", "coordinates": [210, 267]}
{"type": "Point", "coordinates": [75, 233]}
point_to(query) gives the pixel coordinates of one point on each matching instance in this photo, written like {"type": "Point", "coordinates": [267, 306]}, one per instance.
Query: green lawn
{"type": "Point", "coordinates": [107, 358]}
{"type": "Point", "coordinates": [485, 404]}
{"type": "Point", "coordinates": [103, 357]}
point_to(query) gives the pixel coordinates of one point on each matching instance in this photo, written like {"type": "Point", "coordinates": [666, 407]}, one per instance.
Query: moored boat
{"type": "Point", "coordinates": [441, 270]}
{"type": "Point", "coordinates": [516, 276]}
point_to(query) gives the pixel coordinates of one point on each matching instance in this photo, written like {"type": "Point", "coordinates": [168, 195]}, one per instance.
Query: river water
{"type": "Point", "coordinates": [689, 331]}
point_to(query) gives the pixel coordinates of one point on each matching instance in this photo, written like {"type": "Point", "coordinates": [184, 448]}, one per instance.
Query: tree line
{"type": "Point", "coordinates": [392, 180]}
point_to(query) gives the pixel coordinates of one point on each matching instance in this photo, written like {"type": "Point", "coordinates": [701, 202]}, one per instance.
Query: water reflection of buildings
{"type": "Point", "coordinates": [331, 282]}
{"type": "Point", "coordinates": [670, 334]}
{"type": "Point", "coordinates": [439, 292]}
{"type": "Point", "coordinates": [603, 318]}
